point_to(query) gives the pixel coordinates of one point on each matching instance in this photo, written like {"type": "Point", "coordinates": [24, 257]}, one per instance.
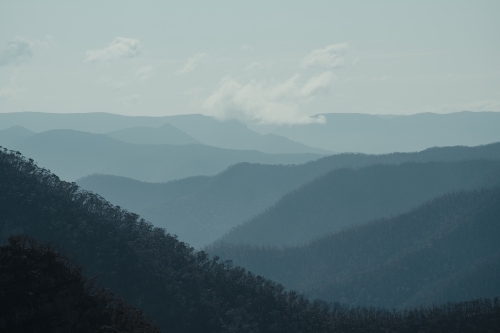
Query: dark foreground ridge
{"type": "Point", "coordinates": [183, 290]}
{"type": "Point", "coordinates": [42, 291]}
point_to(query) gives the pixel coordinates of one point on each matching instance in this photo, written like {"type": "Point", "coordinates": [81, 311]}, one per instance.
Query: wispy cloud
{"type": "Point", "coordinates": [47, 43]}
{"type": "Point", "coordinates": [129, 101]}
{"type": "Point", "coordinates": [253, 66]}
{"type": "Point", "coordinates": [135, 75]}
{"type": "Point", "coordinates": [246, 47]}
{"type": "Point", "coordinates": [193, 62]}
{"type": "Point", "coordinates": [143, 73]}
{"type": "Point", "coordinates": [267, 102]}
{"type": "Point", "coordinates": [317, 84]}
{"type": "Point", "coordinates": [17, 51]}
{"type": "Point", "coordinates": [120, 48]}
{"type": "Point", "coordinates": [10, 91]}
{"type": "Point", "coordinates": [331, 56]}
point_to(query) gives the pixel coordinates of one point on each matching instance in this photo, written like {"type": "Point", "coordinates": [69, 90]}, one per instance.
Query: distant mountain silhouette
{"type": "Point", "coordinates": [233, 134]}
{"type": "Point", "coordinates": [444, 250]}
{"type": "Point", "coordinates": [207, 130]}
{"type": "Point", "coordinates": [342, 132]}
{"type": "Point", "coordinates": [13, 136]}
{"type": "Point", "coordinates": [201, 209]}
{"type": "Point", "coordinates": [344, 198]}
{"type": "Point", "coordinates": [74, 154]}
{"type": "Point", "coordinates": [345, 132]}
{"type": "Point", "coordinates": [165, 134]}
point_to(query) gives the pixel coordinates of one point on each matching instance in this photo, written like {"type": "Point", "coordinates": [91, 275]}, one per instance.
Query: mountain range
{"type": "Point", "coordinates": [202, 209]}
{"type": "Point", "coordinates": [341, 132]}
{"type": "Point", "coordinates": [183, 129]}
{"type": "Point", "coordinates": [376, 134]}
{"type": "Point", "coordinates": [345, 198]}
{"type": "Point", "coordinates": [185, 291]}
{"type": "Point", "coordinates": [74, 154]}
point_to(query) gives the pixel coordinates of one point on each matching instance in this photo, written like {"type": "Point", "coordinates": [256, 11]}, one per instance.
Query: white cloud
{"type": "Point", "coordinates": [246, 47]}
{"type": "Point", "coordinates": [355, 61]}
{"type": "Point", "coordinates": [118, 49]}
{"type": "Point", "coordinates": [17, 51]}
{"type": "Point", "coordinates": [193, 62]}
{"type": "Point", "coordinates": [331, 57]}
{"type": "Point", "coordinates": [129, 101]}
{"type": "Point", "coordinates": [267, 102]}
{"type": "Point", "coordinates": [317, 84]}
{"type": "Point", "coordinates": [143, 73]}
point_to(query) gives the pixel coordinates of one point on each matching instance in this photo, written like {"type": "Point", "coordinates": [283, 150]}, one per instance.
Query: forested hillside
{"type": "Point", "coordinates": [74, 154]}
{"type": "Point", "coordinates": [344, 198]}
{"type": "Point", "coordinates": [184, 290]}
{"type": "Point", "coordinates": [201, 209]}
{"type": "Point", "coordinates": [444, 250]}
{"type": "Point", "coordinates": [43, 291]}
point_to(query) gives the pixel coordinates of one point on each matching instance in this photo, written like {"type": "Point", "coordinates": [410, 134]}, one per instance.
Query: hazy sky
{"type": "Point", "coordinates": [267, 61]}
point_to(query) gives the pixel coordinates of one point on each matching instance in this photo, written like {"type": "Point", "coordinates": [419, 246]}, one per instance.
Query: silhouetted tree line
{"type": "Point", "coordinates": [44, 291]}
{"type": "Point", "coordinates": [181, 289]}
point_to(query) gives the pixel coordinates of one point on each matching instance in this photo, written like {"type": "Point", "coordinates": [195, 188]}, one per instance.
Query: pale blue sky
{"type": "Point", "coordinates": [264, 61]}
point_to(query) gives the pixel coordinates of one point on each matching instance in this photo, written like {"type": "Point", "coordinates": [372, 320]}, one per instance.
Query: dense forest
{"type": "Point", "coordinates": [181, 289]}
{"type": "Point", "coordinates": [446, 249]}
{"type": "Point", "coordinates": [345, 197]}
{"type": "Point", "coordinates": [44, 291]}
{"type": "Point", "coordinates": [202, 209]}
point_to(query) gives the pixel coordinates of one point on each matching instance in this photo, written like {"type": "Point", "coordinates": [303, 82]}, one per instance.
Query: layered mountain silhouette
{"type": "Point", "coordinates": [445, 250]}
{"type": "Point", "coordinates": [184, 290]}
{"type": "Point", "coordinates": [74, 154]}
{"type": "Point", "coordinates": [345, 198]}
{"type": "Point", "coordinates": [233, 134]}
{"type": "Point", "coordinates": [207, 130]}
{"type": "Point", "coordinates": [344, 132]}
{"type": "Point", "coordinates": [201, 209]}
{"type": "Point", "coordinates": [15, 135]}
{"type": "Point", "coordinates": [373, 134]}
{"type": "Point", "coordinates": [165, 134]}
